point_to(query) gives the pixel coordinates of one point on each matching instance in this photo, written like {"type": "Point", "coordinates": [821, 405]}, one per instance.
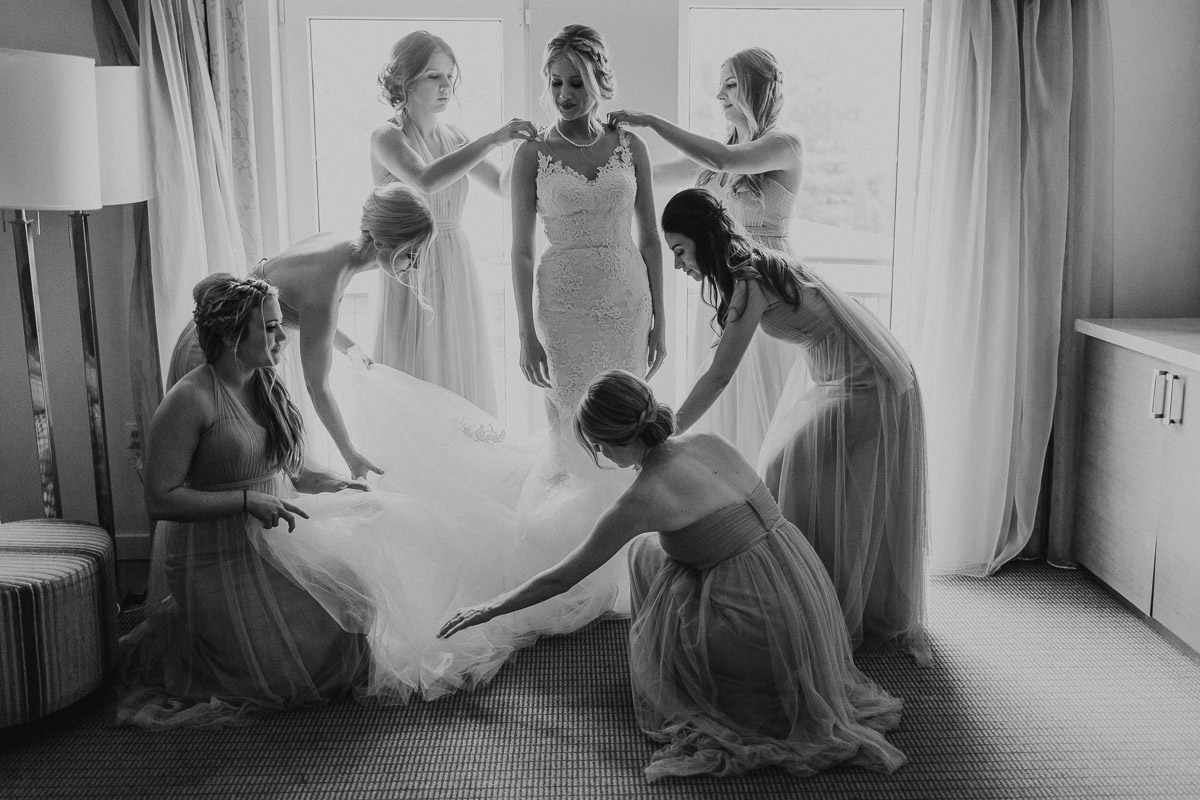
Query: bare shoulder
{"type": "Point", "coordinates": [190, 399]}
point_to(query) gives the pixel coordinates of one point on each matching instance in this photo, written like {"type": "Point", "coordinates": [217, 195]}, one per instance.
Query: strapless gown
{"type": "Point", "coordinates": [845, 458]}
{"type": "Point", "coordinates": [738, 654]}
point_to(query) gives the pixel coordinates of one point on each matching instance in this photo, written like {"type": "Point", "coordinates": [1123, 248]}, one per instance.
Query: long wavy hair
{"type": "Point", "coordinates": [619, 408]}
{"type": "Point", "coordinates": [410, 56]}
{"type": "Point", "coordinates": [584, 47]}
{"type": "Point", "coordinates": [724, 251]}
{"type": "Point", "coordinates": [760, 99]}
{"type": "Point", "coordinates": [222, 315]}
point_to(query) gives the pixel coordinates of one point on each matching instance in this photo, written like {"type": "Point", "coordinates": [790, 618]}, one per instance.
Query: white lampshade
{"type": "Point", "coordinates": [49, 151]}
{"type": "Point", "coordinates": [125, 175]}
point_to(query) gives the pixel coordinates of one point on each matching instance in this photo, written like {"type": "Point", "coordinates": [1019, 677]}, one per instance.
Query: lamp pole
{"type": "Point", "coordinates": [92, 379]}
{"type": "Point", "coordinates": [36, 365]}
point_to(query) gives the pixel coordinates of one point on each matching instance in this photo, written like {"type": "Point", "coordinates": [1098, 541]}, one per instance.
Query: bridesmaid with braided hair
{"type": "Point", "coordinates": [226, 633]}
{"type": "Point", "coordinates": [844, 454]}
{"type": "Point", "coordinates": [756, 172]}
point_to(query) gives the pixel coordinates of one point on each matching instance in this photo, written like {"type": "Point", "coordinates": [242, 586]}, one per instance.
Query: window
{"type": "Point", "coordinates": [333, 54]}
{"type": "Point", "coordinates": [850, 86]}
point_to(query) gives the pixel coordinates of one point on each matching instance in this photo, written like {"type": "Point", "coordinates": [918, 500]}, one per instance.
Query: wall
{"type": "Point", "coordinates": [65, 26]}
{"type": "Point", "coordinates": [1156, 169]}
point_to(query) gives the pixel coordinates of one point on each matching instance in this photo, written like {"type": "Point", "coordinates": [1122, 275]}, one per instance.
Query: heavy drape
{"type": "Point", "coordinates": [1011, 244]}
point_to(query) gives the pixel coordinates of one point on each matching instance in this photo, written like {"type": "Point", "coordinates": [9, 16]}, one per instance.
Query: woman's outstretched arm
{"type": "Point", "coordinates": [631, 515]}
{"type": "Point", "coordinates": [390, 148]}
{"type": "Point", "coordinates": [774, 151]}
{"type": "Point", "coordinates": [745, 310]}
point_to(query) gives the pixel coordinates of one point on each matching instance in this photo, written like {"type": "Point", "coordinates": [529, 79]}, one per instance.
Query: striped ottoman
{"type": "Point", "coordinates": [58, 615]}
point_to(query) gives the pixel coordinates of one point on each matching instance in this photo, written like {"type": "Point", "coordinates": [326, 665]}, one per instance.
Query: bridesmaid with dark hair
{"type": "Point", "coordinates": [844, 455]}
{"type": "Point", "coordinates": [756, 172]}
{"type": "Point", "coordinates": [738, 654]}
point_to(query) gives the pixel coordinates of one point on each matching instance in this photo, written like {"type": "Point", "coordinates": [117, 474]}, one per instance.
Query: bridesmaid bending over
{"type": "Point", "coordinates": [226, 633]}
{"type": "Point", "coordinates": [439, 332]}
{"type": "Point", "coordinates": [312, 275]}
{"type": "Point", "coordinates": [738, 654]}
{"type": "Point", "coordinates": [845, 453]}
{"type": "Point", "coordinates": [756, 172]}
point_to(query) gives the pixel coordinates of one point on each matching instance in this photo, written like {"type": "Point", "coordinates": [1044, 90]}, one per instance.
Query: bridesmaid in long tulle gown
{"type": "Point", "coordinates": [845, 453]}
{"type": "Point", "coordinates": [227, 634]}
{"type": "Point", "coordinates": [739, 657]}
{"type": "Point", "coordinates": [756, 171]}
{"type": "Point", "coordinates": [439, 333]}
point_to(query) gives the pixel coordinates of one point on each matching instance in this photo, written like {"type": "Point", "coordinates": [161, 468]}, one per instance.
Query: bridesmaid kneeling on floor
{"type": "Point", "coordinates": [226, 633]}
{"type": "Point", "coordinates": [739, 656]}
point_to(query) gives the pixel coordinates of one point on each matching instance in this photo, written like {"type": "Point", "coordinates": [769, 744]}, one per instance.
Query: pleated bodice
{"type": "Point", "coordinates": [727, 532]}
{"type": "Point", "coordinates": [447, 203]}
{"type": "Point", "coordinates": [834, 356]}
{"type": "Point", "coordinates": [768, 219]}
{"type": "Point", "coordinates": [233, 452]}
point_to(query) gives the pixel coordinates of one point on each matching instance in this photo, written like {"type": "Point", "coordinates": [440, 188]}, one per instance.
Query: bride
{"type": "Point", "coordinates": [467, 510]}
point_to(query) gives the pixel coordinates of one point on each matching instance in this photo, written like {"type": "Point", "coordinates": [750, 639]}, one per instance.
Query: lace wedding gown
{"type": "Point", "coordinates": [593, 312]}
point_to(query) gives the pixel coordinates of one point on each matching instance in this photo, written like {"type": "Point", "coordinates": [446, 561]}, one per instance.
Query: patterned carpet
{"type": "Point", "coordinates": [1043, 686]}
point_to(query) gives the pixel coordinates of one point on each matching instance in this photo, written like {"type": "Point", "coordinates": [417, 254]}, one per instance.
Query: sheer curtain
{"type": "Point", "coordinates": [194, 226]}
{"type": "Point", "coordinates": [1011, 91]}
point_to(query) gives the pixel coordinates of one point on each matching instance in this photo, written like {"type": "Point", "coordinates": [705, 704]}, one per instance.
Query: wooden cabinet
{"type": "Point", "coordinates": [1137, 520]}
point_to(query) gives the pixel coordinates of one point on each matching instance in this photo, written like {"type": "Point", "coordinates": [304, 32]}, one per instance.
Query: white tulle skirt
{"type": "Point", "coordinates": [464, 511]}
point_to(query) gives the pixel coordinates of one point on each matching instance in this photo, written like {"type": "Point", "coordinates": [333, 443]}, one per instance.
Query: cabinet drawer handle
{"type": "Point", "coordinates": [1174, 403]}
{"type": "Point", "coordinates": [1158, 394]}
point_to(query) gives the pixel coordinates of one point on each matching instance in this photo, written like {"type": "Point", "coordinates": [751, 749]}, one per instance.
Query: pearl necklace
{"type": "Point", "coordinates": [572, 142]}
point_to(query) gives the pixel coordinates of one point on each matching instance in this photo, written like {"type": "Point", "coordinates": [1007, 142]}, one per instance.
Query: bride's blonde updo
{"type": "Point", "coordinates": [584, 47]}
{"type": "Point", "coordinates": [619, 408]}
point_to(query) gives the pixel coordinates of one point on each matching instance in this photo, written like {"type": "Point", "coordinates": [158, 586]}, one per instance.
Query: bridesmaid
{"type": "Point", "coordinates": [756, 171]}
{"type": "Point", "coordinates": [445, 340]}
{"type": "Point", "coordinates": [312, 276]}
{"type": "Point", "coordinates": [845, 454]}
{"type": "Point", "coordinates": [226, 633]}
{"type": "Point", "coordinates": [738, 655]}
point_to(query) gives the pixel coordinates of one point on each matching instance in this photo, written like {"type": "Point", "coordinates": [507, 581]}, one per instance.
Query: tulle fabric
{"type": "Point", "coordinates": [446, 344]}
{"type": "Point", "coordinates": [739, 657]}
{"type": "Point", "coordinates": [465, 510]}
{"type": "Point", "coordinates": [744, 410]}
{"type": "Point", "coordinates": [845, 459]}
{"type": "Point", "coordinates": [226, 634]}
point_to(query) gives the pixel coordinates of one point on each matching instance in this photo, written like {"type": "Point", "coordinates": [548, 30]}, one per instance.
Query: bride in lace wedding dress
{"type": "Point", "coordinates": [465, 509]}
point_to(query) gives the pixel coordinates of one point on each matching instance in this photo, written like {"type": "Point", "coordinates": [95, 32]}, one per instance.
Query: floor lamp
{"type": "Point", "coordinates": [124, 149]}
{"type": "Point", "coordinates": [49, 161]}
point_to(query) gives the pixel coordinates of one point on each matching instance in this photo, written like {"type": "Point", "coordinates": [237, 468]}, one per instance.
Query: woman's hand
{"type": "Point", "coordinates": [533, 362]}
{"type": "Point", "coordinates": [317, 481]}
{"type": "Point", "coordinates": [656, 349]}
{"type": "Point", "coordinates": [635, 118]}
{"type": "Point", "coordinates": [467, 618]}
{"type": "Point", "coordinates": [269, 510]}
{"type": "Point", "coordinates": [515, 129]}
{"type": "Point", "coordinates": [359, 466]}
